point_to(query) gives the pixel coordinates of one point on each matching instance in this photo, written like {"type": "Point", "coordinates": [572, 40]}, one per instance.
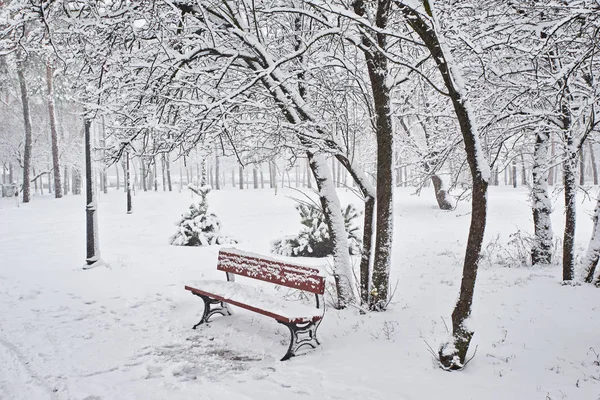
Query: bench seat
{"type": "Point", "coordinates": [256, 300]}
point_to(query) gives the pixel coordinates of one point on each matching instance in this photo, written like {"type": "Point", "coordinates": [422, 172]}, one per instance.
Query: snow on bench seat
{"type": "Point", "coordinates": [254, 299]}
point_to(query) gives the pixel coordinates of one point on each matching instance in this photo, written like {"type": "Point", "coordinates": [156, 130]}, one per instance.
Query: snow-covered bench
{"type": "Point", "coordinates": [302, 320]}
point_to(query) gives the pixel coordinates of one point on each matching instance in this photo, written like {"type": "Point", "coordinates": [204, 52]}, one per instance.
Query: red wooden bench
{"type": "Point", "coordinates": [302, 320]}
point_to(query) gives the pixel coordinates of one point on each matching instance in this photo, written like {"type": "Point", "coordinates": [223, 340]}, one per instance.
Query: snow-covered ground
{"type": "Point", "coordinates": [123, 332]}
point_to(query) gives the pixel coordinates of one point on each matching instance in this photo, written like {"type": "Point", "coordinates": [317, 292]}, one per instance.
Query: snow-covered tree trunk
{"type": "Point", "coordinates": [143, 174]}
{"type": "Point", "coordinates": [128, 184]}
{"type": "Point", "coordinates": [453, 353]}
{"type": "Point", "coordinates": [27, 125]}
{"type": "Point", "coordinates": [75, 181]}
{"type": "Point", "coordinates": [570, 187]}
{"type": "Point", "coordinates": [308, 180]}
{"type": "Point", "coordinates": [552, 171]}
{"type": "Point", "coordinates": [593, 161]}
{"type": "Point", "coordinates": [103, 172]}
{"type": "Point", "coordinates": [441, 193]}
{"type": "Point", "coordinates": [163, 173]}
{"type": "Point", "coordinates": [333, 215]}
{"type": "Point", "coordinates": [523, 171]}
{"type": "Point", "coordinates": [590, 260]}
{"type": "Point", "coordinates": [66, 180]}
{"type": "Point", "coordinates": [118, 176]}
{"type": "Point", "coordinates": [272, 179]}
{"type": "Point", "coordinates": [541, 205]}
{"type": "Point", "coordinates": [581, 166]}
{"type": "Point", "coordinates": [217, 170]}
{"type": "Point", "coordinates": [369, 194]}
{"type": "Point", "coordinates": [168, 162]}
{"type": "Point", "coordinates": [377, 67]}
{"type": "Point", "coordinates": [241, 177]}
{"type": "Point", "coordinates": [53, 130]}
{"type": "Point", "coordinates": [155, 175]}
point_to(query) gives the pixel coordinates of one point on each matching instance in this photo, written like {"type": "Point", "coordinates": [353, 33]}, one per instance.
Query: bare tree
{"type": "Point", "coordinates": [27, 125]}
{"type": "Point", "coordinates": [53, 130]}
{"type": "Point", "coordinates": [453, 353]}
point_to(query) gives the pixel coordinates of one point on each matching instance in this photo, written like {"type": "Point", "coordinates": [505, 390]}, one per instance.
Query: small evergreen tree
{"type": "Point", "coordinates": [197, 226]}
{"type": "Point", "coordinates": [314, 240]}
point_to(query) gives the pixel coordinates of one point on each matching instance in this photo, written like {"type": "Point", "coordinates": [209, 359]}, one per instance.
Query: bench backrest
{"type": "Point", "coordinates": [269, 270]}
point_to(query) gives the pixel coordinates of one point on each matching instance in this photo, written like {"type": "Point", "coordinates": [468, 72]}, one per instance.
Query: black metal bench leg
{"type": "Point", "coordinates": [304, 334]}
{"type": "Point", "coordinates": [221, 308]}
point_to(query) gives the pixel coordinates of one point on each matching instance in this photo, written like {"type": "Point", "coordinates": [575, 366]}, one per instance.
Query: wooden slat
{"type": "Point", "coordinates": [268, 270]}
{"type": "Point", "coordinates": [254, 309]}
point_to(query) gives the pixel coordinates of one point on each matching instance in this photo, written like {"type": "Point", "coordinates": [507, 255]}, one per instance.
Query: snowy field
{"type": "Point", "coordinates": [123, 332]}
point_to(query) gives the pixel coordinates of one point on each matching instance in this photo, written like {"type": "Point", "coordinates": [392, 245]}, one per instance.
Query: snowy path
{"type": "Point", "coordinates": [124, 332]}
{"type": "Point", "coordinates": [17, 379]}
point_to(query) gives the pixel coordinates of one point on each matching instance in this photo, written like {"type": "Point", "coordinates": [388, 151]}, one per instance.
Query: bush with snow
{"type": "Point", "coordinates": [314, 240]}
{"type": "Point", "coordinates": [197, 226]}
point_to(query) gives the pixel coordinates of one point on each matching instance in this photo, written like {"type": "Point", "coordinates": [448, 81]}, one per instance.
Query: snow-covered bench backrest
{"type": "Point", "coordinates": [270, 270]}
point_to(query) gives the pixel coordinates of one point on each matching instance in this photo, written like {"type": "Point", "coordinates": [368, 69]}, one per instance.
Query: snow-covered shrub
{"type": "Point", "coordinates": [197, 226]}
{"type": "Point", "coordinates": [314, 240]}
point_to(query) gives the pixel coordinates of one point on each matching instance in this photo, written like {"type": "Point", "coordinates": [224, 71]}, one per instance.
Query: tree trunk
{"type": "Point", "coordinates": [594, 165]}
{"type": "Point", "coordinates": [369, 194]}
{"type": "Point", "coordinates": [35, 182]}
{"type": "Point", "coordinates": [27, 126]}
{"type": "Point", "coordinates": [168, 165]}
{"type": "Point", "coordinates": [104, 172]}
{"type": "Point", "coordinates": [11, 178]}
{"type": "Point", "coordinates": [217, 171]}
{"type": "Point", "coordinates": [53, 131]}
{"type": "Point", "coordinates": [163, 172]}
{"type": "Point", "coordinates": [93, 248]}
{"type": "Point", "coordinates": [76, 182]}
{"type": "Point", "coordinates": [255, 176]}
{"type": "Point", "coordinates": [128, 184]}
{"type": "Point", "coordinates": [523, 171]}
{"type": "Point", "coordinates": [262, 178]}
{"type": "Point", "coordinates": [241, 176]}
{"type": "Point", "coordinates": [453, 353]}
{"type": "Point", "coordinates": [118, 177]}
{"type": "Point", "coordinates": [335, 221]}
{"type": "Point", "coordinates": [551, 172]}
{"type": "Point", "coordinates": [66, 180]}
{"type": "Point", "coordinates": [377, 67]}
{"type": "Point", "coordinates": [180, 175]}
{"type": "Point", "coordinates": [155, 174]}
{"type": "Point", "coordinates": [304, 170]}
{"type": "Point", "coordinates": [136, 181]}
{"type": "Point", "coordinates": [569, 172]}
{"type": "Point", "coordinates": [541, 251]}
{"type": "Point", "coordinates": [333, 171]}
{"type": "Point", "coordinates": [308, 180]}
{"type": "Point", "coordinates": [593, 252]}
{"type": "Point", "coordinates": [581, 166]}
{"type": "Point", "coordinates": [143, 173]}
{"type": "Point", "coordinates": [441, 194]}
{"type": "Point", "coordinates": [514, 174]}
{"type": "Point", "coordinates": [49, 180]}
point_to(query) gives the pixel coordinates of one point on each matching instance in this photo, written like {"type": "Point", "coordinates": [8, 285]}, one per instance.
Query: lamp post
{"type": "Point", "coordinates": [93, 248]}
